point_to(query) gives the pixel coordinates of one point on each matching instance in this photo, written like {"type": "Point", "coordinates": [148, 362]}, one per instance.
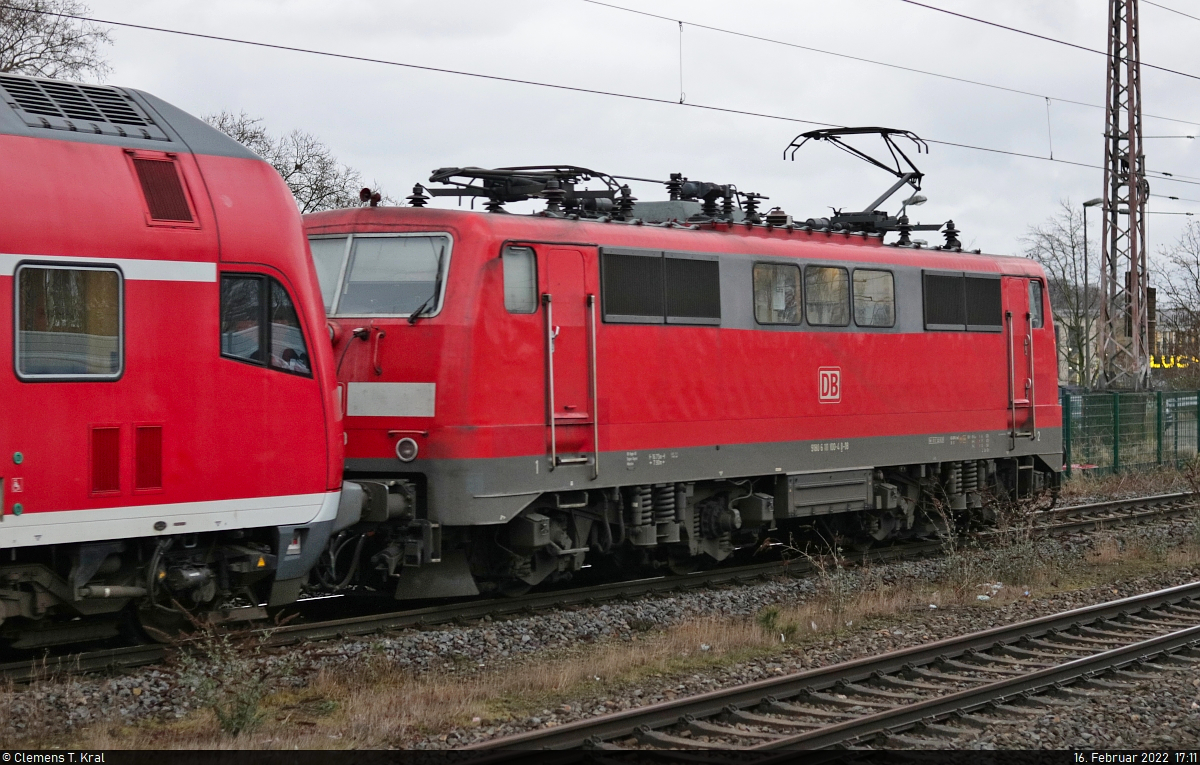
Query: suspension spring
{"type": "Point", "coordinates": [970, 477]}
{"type": "Point", "coordinates": [664, 502]}
{"type": "Point", "coordinates": [954, 482]}
{"type": "Point", "coordinates": [641, 506]}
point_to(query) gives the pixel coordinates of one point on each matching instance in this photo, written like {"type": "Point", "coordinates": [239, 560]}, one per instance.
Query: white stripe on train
{"type": "Point", "coordinates": [66, 526]}
{"type": "Point", "coordinates": [134, 269]}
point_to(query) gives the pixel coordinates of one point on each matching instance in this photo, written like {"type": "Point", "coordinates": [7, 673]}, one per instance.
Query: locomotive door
{"type": "Point", "coordinates": [1018, 337]}
{"type": "Point", "coordinates": [568, 309]}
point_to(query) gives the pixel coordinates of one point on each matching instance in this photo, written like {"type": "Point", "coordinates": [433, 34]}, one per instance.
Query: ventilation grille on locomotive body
{"type": "Point", "coordinates": [165, 197]}
{"type": "Point", "coordinates": [79, 108]}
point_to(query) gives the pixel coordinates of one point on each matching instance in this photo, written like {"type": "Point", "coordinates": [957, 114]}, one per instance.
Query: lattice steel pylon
{"type": "Point", "coordinates": [1124, 345]}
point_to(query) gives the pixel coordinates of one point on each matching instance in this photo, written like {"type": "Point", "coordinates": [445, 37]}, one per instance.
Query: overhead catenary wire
{"type": "Point", "coordinates": [1177, 199]}
{"type": "Point", "coordinates": [555, 86]}
{"type": "Point", "coordinates": [1046, 38]}
{"type": "Point", "coordinates": [1172, 10]}
{"type": "Point", "coordinates": [875, 62]}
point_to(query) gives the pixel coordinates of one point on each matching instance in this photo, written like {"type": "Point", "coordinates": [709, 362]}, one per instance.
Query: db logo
{"type": "Point", "coordinates": [829, 385]}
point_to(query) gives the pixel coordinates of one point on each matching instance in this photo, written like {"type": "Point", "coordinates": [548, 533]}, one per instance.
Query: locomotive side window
{"type": "Point", "coordinates": [393, 276]}
{"type": "Point", "coordinates": [874, 298]}
{"type": "Point", "coordinates": [257, 316]}
{"type": "Point", "coordinates": [1036, 315]}
{"type": "Point", "coordinates": [69, 322]}
{"type": "Point", "coordinates": [633, 287]}
{"type": "Point", "coordinates": [693, 290]}
{"type": "Point", "coordinates": [520, 279]}
{"type": "Point", "coordinates": [827, 296]}
{"type": "Point", "coordinates": [328, 255]}
{"type": "Point", "coordinates": [945, 302]}
{"type": "Point", "coordinates": [984, 309]}
{"type": "Point", "coordinates": [776, 293]}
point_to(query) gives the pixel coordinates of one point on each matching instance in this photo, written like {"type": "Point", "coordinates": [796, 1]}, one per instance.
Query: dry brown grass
{"type": "Point", "coordinates": [379, 706]}
{"type": "Point", "coordinates": [1085, 487]}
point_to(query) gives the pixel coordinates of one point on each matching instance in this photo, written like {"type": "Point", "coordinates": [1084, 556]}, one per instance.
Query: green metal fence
{"type": "Point", "coordinates": [1112, 432]}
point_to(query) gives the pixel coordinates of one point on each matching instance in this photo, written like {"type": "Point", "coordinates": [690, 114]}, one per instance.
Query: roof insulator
{"type": "Point", "coordinates": [418, 198]}
{"type": "Point", "coordinates": [554, 196]}
{"type": "Point", "coordinates": [951, 234]}
{"type": "Point", "coordinates": [674, 185]}
{"type": "Point", "coordinates": [750, 207]}
{"type": "Point", "coordinates": [625, 203]}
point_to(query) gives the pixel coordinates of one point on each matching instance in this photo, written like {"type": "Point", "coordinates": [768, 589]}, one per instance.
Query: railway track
{"type": "Point", "coordinates": [1072, 519]}
{"type": "Point", "coordinates": [921, 697]}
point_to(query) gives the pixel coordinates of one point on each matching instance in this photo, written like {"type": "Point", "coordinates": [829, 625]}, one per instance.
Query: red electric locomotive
{"type": "Point", "coordinates": [171, 438]}
{"type": "Point", "coordinates": [663, 383]}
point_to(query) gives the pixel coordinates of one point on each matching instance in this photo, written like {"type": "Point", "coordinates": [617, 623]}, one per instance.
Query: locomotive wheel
{"type": "Point", "coordinates": [514, 588]}
{"type": "Point", "coordinates": [861, 544]}
{"type": "Point", "coordinates": [682, 565]}
{"type": "Point", "coordinates": [163, 626]}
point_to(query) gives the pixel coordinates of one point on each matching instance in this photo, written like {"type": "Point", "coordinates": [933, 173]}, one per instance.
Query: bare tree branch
{"type": "Point", "coordinates": [317, 180]}
{"type": "Point", "coordinates": [1178, 311]}
{"type": "Point", "coordinates": [36, 43]}
{"type": "Point", "coordinates": [1058, 245]}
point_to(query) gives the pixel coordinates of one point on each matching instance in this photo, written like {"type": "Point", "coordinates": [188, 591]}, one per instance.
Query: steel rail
{"type": "Point", "coordinates": [1055, 520]}
{"type": "Point", "coordinates": [79, 663]}
{"type": "Point", "coordinates": [630, 722]}
{"type": "Point", "coordinates": [1000, 692]}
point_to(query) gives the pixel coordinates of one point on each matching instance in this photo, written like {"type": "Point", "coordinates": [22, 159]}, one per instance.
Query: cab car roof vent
{"type": "Point", "coordinates": [80, 108]}
{"type": "Point", "coordinates": [165, 197]}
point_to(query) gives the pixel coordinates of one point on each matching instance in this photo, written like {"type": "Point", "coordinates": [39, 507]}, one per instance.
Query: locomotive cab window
{"type": "Point", "coordinates": [382, 275]}
{"type": "Point", "coordinates": [874, 298]}
{"type": "Point", "coordinates": [259, 324]}
{"type": "Point", "coordinates": [393, 276]}
{"type": "Point", "coordinates": [328, 254]}
{"type": "Point", "coordinates": [69, 322]}
{"type": "Point", "coordinates": [520, 279]}
{"type": "Point", "coordinates": [1037, 319]}
{"type": "Point", "coordinates": [827, 296]}
{"type": "Point", "coordinates": [776, 293]}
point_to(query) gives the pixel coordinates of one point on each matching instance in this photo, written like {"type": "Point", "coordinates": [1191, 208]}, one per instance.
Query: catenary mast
{"type": "Point", "coordinates": [1124, 340]}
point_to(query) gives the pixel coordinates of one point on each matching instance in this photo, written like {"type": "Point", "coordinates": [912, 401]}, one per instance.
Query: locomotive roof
{"type": "Point", "coordinates": [37, 107]}
{"type": "Point", "coordinates": [713, 237]}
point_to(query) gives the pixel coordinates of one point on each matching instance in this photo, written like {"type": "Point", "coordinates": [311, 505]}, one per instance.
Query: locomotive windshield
{"type": "Point", "coordinates": [328, 255]}
{"type": "Point", "coordinates": [374, 275]}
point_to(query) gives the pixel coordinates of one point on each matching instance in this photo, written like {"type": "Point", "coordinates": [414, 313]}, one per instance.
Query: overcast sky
{"type": "Point", "coordinates": [396, 124]}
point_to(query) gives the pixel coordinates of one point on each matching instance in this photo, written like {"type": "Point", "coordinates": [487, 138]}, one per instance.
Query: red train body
{"type": "Point", "coordinates": [665, 393]}
{"type": "Point", "coordinates": [154, 447]}
{"type": "Point", "coordinates": [511, 398]}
